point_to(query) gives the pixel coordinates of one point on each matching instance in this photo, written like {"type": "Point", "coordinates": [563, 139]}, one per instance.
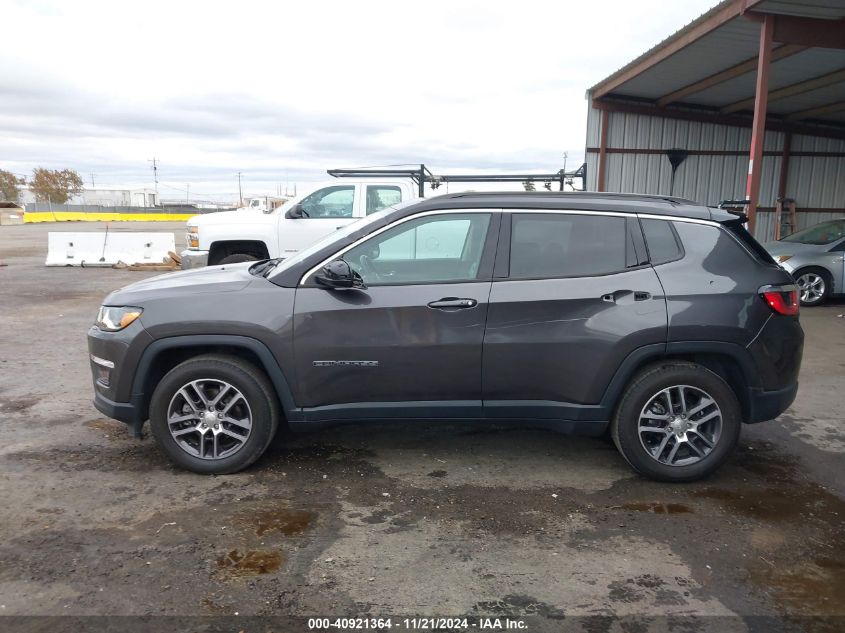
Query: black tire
{"type": "Point", "coordinates": [642, 388]}
{"type": "Point", "coordinates": [826, 278]}
{"type": "Point", "coordinates": [243, 376]}
{"type": "Point", "coordinates": [238, 258]}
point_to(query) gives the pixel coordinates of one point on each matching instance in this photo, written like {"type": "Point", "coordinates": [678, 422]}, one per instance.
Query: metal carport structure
{"type": "Point", "coordinates": [747, 102]}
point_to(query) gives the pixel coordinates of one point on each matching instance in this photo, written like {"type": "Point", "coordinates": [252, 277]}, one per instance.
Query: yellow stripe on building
{"type": "Point", "coordinates": [76, 216]}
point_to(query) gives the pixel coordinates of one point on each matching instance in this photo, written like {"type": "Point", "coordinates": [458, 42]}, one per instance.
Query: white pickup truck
{"type": "Point", "coordinates": [235, 236]}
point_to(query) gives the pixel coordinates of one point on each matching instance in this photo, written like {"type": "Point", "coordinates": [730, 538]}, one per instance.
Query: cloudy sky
{"type": "Point", "coordinates": [283, 90]}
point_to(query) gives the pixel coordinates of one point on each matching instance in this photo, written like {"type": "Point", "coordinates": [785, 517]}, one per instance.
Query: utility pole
{"type": "Point", "coordinates": [240, 191]}
{"type": "Point", "coordinates": [188, 193]}
{"type": "Point", "coordinates": [92, 181]}
{"type": "Point", "coordinates": [155, 174]}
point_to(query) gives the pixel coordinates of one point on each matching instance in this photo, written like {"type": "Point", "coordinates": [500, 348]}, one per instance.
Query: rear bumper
{"type": "Point", "coordinates": [767, 405]}
{"type": "Point", "coordinates": [193, 259]}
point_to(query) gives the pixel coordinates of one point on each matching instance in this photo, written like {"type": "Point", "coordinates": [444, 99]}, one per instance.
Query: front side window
{"type": "Point", "coordinates": [430, 249]}
{"type": "Point", "coordinates": [330, 202]}
{"type": "Point", "coordinates": [567, 245]}
{"type": "Point", "coordinates": [382, 196]}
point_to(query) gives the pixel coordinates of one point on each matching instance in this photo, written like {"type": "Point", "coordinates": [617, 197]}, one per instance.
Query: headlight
{"type": "Point", "coordinates": [193, 237]}
{"type": "Point", "coordinates": [112, 319]}
{"type": "Point", "coordinates": [782, 258]}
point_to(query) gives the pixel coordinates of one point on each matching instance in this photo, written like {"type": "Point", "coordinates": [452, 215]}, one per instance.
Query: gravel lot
{"type": "Point", "coordinates": [395, 519]}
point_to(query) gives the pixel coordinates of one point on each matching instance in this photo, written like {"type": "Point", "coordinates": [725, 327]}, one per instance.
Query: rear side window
{"type": "Point", "coordinates": [662, 242]}
{"type": "Point", "coordinates": [564, 245]}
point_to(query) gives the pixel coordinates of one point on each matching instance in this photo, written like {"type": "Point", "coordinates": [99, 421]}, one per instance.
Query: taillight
{"type": "Point", "coordinates": [781, 299]}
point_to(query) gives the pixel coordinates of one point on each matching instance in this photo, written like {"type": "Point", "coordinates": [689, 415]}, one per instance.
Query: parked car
{"type": "Point", "coordinates": [229, 237]}
{"type": "Point", "coordinates": [816, 259]}
{"type": "Point", "coordinates": [658, 319]}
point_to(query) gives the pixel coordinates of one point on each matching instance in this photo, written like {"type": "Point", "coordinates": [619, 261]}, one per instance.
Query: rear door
{"type": "Point", "coordinates": [572, 297]}
{"type": "Point", "coordinates": [409, 344]}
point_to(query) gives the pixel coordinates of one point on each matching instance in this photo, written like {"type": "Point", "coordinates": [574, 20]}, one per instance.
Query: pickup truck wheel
{"type": "Point", "coordinates": [238, 258]}
{"type": "Point", "coordinates": [214, 414]}
{"type": "Point", "coordinates": [676, 421]}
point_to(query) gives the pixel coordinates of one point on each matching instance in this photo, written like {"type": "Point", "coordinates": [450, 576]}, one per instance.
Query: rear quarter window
{"type": "Point", "coordinates": [662, 241]}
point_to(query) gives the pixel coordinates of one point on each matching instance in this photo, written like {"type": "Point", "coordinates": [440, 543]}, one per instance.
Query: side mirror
{"type": "Point", "coordinates": [339, 275]}
{"type": "Point", "coordinates": [296, 212]}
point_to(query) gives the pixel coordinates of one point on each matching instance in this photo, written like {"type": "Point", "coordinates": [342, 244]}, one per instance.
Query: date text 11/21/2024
{"type": "Point", "coordinates": [416, 624]}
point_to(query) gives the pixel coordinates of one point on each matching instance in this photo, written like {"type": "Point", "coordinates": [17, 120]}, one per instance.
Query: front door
{"type": "Point", "coordinates": [409, 344]}
{"type": "Point", "coordinates": [576, 299]}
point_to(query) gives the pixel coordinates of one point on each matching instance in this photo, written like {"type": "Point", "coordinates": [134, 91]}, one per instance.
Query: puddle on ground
{"type": "Point", "coordinates": [236, 564]}
{"type": "Point", "coordinates": [658, 508]}
{"type": "Point", "coordinates": [814, 587]}
{"type": "Point", "coordinates": [803, 532]}
{"type": "Point", "coordinates": [285, 521]}
{"type": "Point", "coordinates": [437, 473]}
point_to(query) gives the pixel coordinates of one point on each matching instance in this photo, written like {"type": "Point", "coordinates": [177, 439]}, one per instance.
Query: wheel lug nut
{"type": "Point", "coordinates": [216, 426]}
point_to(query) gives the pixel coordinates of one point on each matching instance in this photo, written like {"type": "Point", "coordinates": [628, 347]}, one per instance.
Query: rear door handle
{"type": "Point", "coordinates": [453, 303]}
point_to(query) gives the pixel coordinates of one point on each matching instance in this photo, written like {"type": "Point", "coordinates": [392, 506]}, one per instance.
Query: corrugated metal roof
{"type": "Point", "coordinates": [734, 39]}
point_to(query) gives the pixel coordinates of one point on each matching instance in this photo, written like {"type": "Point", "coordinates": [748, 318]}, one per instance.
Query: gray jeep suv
{"type": "Point", "coordinates": [657, 319]}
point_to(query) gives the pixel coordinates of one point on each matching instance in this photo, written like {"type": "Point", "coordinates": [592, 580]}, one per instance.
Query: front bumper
{"type": "Point", "coordinates": [113, 357]}
{"type": "Point", "coordinates": [193, 259]}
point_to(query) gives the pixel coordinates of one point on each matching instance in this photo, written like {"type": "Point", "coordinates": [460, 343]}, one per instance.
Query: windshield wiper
{"type": "Point", "coordinates": [262, 269]}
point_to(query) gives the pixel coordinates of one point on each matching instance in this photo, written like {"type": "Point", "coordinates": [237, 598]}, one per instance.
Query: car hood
{"type": "Point", "coordinates": [226, 278]}
{"type": "Point", "coordinates": [792, 248]}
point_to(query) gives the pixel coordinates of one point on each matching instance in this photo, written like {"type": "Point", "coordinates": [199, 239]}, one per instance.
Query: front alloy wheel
{"type": "Point", "coordinates": [214, 413]}
{"type": "Point", "coordinates": [209, 419]}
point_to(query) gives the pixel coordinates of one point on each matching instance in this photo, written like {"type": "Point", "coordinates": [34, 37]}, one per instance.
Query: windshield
{"type": "Point", "coordinates": [342, 232]}
{"type": "Point", "coordinates": [823, 233]}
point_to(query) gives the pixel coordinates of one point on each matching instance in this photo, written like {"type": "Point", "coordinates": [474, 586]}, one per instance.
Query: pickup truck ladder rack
{"type": "Point", "coordinates": [422, 175]}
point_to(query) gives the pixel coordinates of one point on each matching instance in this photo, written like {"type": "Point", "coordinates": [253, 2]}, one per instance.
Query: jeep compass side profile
{"type": "Point", "coordinates": [656, 318]}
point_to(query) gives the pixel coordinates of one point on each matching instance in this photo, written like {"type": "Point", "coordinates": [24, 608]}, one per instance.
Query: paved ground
{"type": "Point", "coordinates": [395, 519]}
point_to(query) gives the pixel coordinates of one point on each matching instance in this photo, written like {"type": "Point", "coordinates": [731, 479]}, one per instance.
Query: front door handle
{"type": "Point", "coordinates": [453, 303]}
{"type": "Point", "coordinates": [614, 297]}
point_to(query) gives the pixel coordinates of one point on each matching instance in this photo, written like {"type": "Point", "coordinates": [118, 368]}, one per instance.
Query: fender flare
{"type": "Point", "coordinates": [658, 351]}
{"type": "Point", "coordinates": [265, 356]}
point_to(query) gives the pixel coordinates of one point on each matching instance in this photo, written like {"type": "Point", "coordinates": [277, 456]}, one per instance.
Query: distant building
{"type": "Point", "coordinates": [106, 196]}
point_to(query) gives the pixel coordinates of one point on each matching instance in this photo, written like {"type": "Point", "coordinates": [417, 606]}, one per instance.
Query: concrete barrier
{"type": "Point", "coordinates": [107, 248]}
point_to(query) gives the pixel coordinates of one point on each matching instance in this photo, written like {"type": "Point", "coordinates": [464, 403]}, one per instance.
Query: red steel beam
{"type": "Point", "coordinates": [605, 121]}
{"type": "Point", "coordinates": [758, 127]}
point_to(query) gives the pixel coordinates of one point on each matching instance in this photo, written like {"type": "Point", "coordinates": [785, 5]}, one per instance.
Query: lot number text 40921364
{"type": "Point", "coordinates": [417, 624]}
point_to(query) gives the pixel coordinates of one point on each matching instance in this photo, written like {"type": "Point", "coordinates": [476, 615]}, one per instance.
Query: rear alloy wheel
{"type": "Point", "coordinates": [214, 414]}
{"type": "Point", "coordinates": [813, 287]}
{"type": "Point", "coordinates": [680, 425]}
{"type": "Point", "coordinates": [676, 421]}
